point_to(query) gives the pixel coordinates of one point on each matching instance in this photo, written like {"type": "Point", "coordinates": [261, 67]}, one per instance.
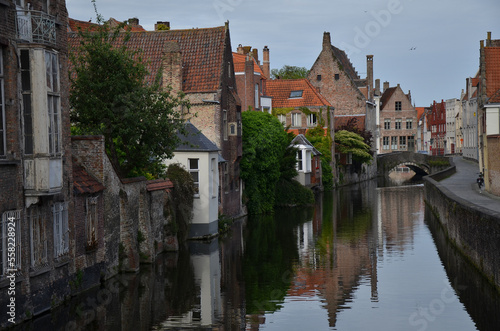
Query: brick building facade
{"type": "Point", "coordinates": [437, 123]}
{"type": "Point", "coordinates": [35, 156]}
{"type": "Point", "coordinates": [398, 121]}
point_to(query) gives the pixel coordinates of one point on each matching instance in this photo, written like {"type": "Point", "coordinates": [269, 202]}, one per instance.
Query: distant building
{"type": "Point", "coordinates": [489, 113]}
{"type": "Point", "coordinates": [251, 80]}
{"type": "Point", "coordinates": [437, 122]}
{"type": "Point", "coordinates": [468, 130]}
{"type": "Point", "coordinates": [398, 120]}
{"type": "Point", "coordinates": [453, 108]}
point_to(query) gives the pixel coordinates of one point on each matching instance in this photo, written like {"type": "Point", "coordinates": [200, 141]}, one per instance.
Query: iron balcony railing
{"type": "Point", "coordinates": [36, 27]}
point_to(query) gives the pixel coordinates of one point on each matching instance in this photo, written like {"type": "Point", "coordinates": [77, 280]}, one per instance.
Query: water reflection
{"type": "Point", "coordinates": [363, 258]}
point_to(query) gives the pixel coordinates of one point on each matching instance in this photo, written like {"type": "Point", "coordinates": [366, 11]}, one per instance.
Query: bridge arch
{"type": "Point", "coordinates": [422, 164]}
{"type": "Point", "coordinates": [419, 169]}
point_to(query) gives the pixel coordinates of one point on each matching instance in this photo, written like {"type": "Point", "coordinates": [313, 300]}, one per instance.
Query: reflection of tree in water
{"type": "Point", "coordinates": [271, 250]}
{"type": "Point", "coordinates": [180, 289]}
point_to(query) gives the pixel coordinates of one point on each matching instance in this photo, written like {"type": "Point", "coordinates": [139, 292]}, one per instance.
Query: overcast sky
{"type": "Point", "coordinates": [428, 46]}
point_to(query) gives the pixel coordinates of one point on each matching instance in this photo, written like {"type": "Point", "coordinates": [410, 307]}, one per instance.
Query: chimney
{"type": "Point", "coordinates": [377, 86]}
{"type": "Point", "coordinates": [369, 75]}
{"type": "Point", "coordinates": [239, 50]}
{"type": "Point", "coordinates": [266, 65]}
{"type": "Point", "coordinates": [327, 42]}
{"type": "Point", "coordinates": [133, 21]}
{"type": "Point", "coordinates": [488, 41]}
{"type": "Point", "coordinates": [386, 86]}
{"type": "Point", "coordinates": [162, 26]}
{"type": "Point", "coordinates": [255, 55]}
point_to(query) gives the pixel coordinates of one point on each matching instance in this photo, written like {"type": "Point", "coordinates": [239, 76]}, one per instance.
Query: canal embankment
{"type": "Point", "coordinates": [470, 218]}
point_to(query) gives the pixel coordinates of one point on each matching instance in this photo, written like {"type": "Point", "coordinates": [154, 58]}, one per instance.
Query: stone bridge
{"type": "Point", "coordinates": [422, 164]}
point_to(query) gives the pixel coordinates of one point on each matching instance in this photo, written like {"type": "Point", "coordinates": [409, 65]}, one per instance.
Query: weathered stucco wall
{"type": "Point", "coordinates": [472, 230]}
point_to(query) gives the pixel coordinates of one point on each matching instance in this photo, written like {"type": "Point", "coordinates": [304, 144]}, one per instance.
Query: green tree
{"type": "Point", "coordinates": [289, 72]}
{"type": "Point", "coordinates": [322, 143]}
{"type": "Point", "coordinates": [264, 145]}
{"type": "Point", "coordinates": [350, 142]}
{"type": "Point", "coordinates": [109, 96]}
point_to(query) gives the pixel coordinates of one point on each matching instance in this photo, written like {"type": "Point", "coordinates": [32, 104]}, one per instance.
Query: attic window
{"type": "Point", "coordinates": [337, 76]}
{"type": "Point", "coordinates": [318, 78]}
{"type": "Point", "coordinates": [296, 94]}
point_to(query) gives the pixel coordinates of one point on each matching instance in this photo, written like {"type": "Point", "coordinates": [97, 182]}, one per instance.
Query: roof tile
{"type": "Point", "coordinates": [279, 90]}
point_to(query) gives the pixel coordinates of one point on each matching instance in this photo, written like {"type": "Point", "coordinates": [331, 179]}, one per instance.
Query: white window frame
{"type": "Point", "coordinates": [296, 120]}
{"type": "Point", "coordinates": [300, 156]}
{"type": "Point", "coordinates": [409, 123]}
{"type": "Point", "coordinates": [387, 124]}
{"type": "Point", "coordinates": [195, 171]}
{"type": "Point", "coordinates": [282, 119]}
{"type": "Point", "coordinates": [312, 119]}
{"type": "Point", "coordinates": [397, 124]}
{"type": "Point", "coordinates": [11, 223]}
{"type": "Point", "coordinates": [53, 102]}
{"type": "Point", "coordinates": [386, 143]}
{"type": "Point", "coordinates": [394, 142]}
{"type": "Point", "coordinates": [38, 237]}
{"type": "Point", "coordinates": [61, 229]}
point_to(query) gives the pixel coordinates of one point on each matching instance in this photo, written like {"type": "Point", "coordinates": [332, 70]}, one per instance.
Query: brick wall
{"type": "Point", "coordinates": [494, 164]}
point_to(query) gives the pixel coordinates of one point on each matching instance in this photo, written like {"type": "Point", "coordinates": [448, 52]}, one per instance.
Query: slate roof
{"type": "Point", "coordinates": [202, 53]}
{"type": "Point", "coordinates": [239, 64]}
{"type": "Point", "coordinates": [279, 90]}
{"type": "Point", "coordinates": [492, 59]}
{"type": "Point", "coordinates": [300, 139]}
{"type": "Point", "coordinates": [195, 141]}
{"type": "Point", "coordinates": [83, 182]}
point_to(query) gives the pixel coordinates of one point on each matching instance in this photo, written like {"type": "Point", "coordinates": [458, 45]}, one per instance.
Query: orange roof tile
{"type": "Point", "coordinates": [279, 90]}
{"type": "Point", "coordinates": [420, 111]}
{"type": "Point", "coordinates": [202, 52]}
{"type": "Point", "coordinates": [83, 182]}
{"type": "Point", "coordinates": [492, 59]}
{"type": "Point", "coordinates": [239, 64]}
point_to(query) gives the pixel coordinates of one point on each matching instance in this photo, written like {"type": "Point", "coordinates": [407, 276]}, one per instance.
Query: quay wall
{"type": "Point", "coordinates": [473, 230]}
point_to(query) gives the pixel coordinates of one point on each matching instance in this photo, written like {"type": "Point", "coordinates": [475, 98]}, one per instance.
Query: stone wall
{"type": "Point", "coordinates": [494, 164]}
{"type": "Point", "coordinates": [472, 230]}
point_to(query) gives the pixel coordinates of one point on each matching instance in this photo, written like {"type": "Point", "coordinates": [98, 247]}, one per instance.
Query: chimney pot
{"type": "Point", "coordinates": [327, 42]}
{"type": "Point", "coordinates": [386, 86]}
{"type": "Point", "coordinates": [266, 65]}
{"type": "Point", "coordinates": [162, 25]}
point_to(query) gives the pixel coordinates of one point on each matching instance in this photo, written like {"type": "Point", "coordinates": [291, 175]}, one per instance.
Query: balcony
{"type": "Point", "coordinates": [36, 27]}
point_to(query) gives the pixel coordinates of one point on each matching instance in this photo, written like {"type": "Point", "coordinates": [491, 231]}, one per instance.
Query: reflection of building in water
{"type": "Point", "coordinates": [342, 253]}
{"type": "Point", "coordinates": [205, 261]}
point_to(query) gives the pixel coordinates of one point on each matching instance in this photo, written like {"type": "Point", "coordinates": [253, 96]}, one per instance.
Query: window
{"type": "Point", "coordinates": [194, 170]}
{"type": "Point", "coordinates": [61, 230]}
{"type": "Point", "coordinates": [296, 94]}
{"type": "Point", "coordinates": [397, 124]}
{"type": "Point", "coordinates": [409, 123]}
{"type": "Point", "coordinates": [299, 160]}
{"type": "Point", "coordinates": [224, 124]}
{"type": "Point", "coordinates": [38, 237]}
{"type": "Point", "coordinates": [394, 142]}
{"type": "Point", "coordinates": [91, 222]}
{"type": "Point", "coordinates": [238, 120]}
{"type": "Point", "coordinates": [282, 119]}
{"type": "Point", "coordinates": [296, 119]}
{"type": "Point", "coordinates": [385, 143]}
{"type": "Point", "coordinates": [257, 96]}
{"type": "Point", "coordinates": [337, 76]}
{"type": "Point", "coordinates": [52, 77]}
{"type": "Point", "coordinates": [387, 124]}
{"type": "Point", "coordinates": [213, 172]}
{"type": "Point", "coordinates": [402, 142]}
{"type": "Point", "coordinates": [232, 129]}
{"type": "Point", "coordinates": [45, 6]}
{"type": "Point", "coordinates": [10, 236]}
{"type": "Point", "coordinates": [318, 78]}
{"type": "Point", "coordinates": [312, 120]}
{"type": "Point", "coordinates": [26, 96]}
{"type": "Point", "coordinates": [3, 137]}
{"type": "Point", "coordinates": [397, 106]}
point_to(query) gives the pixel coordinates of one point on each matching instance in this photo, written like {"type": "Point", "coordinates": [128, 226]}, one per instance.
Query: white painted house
{"type": "Point", "coordinates": [200, 157]}
{"type": "Point", "coordinates": [308, 162]}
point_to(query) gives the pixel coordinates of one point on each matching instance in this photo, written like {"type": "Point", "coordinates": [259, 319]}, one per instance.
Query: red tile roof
{"type": "Point", "coordinates": [83, 182]}
{"type": "Point", "coordinates": [202, 53]}
{"type": "Point", "coordinates": [420, 111]}
{"type": "Point", "coordinates": [239, 64]}
{"type": "Point", "coordinates": [279, 90]}
{"type": "Point", "coordinates": [492, 59]}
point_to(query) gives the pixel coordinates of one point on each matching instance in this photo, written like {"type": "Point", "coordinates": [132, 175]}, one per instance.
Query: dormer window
{"type": "Point", "coordinates": [296, 94]}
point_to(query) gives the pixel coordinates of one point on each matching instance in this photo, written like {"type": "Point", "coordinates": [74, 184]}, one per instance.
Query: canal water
{"type": "Point", "coordinates": [364, 257]}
